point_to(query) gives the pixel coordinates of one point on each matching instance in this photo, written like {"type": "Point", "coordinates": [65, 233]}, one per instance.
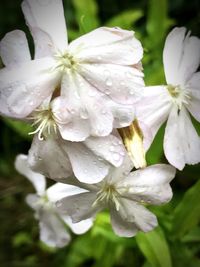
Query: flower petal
{"type": "Point", "coordinates": [181, 141]}
{"type": "Point", "coordinates": [14, 48]}
{"type": "Point", "coordinates": [108, 45]}
{"type": "Point", "coordinates": [24, 88]}
{"type": "Point", "coordinates": [133, 212]}
{"type": "Point", "coordinates": [109, 148]}
{"type": "Point", "coordinates": [47, 157]}
{"type": "Point", "coordinates": [120, 226]}
{"type": "Point", "coordinates": [85, 102]}
{"type": "Point", "coordinates": [194, 101]}
{"type": "Point", "coordinates": [60, 190]}
{"type": "Point", "coordinates": [149, 185]}
{"type": "Point", "coordinates": [38, 180]}
{"type": "Point", "coordinates": [152, 111]}
{"type": "Point", "coordinates": [80, 227]}
{"type": "Point", "coordinates": [47, 17]}
{"type": "Point", "coordinates": [123, 84]}
{"type": "Point", "coordinates": [52, 231]}
{"type": "Point", "coordinates": [87, 167]}
{"type": "Point", "coordinates": [181, 56]}
{"type": "Point", "coordinates": [79, 207]}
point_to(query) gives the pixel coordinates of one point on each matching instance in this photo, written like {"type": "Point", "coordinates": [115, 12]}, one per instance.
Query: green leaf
{"type": "Point", "coordinates": [125, 19]}
{"type": "Point", "coordinates": [155, 248]}
{"type": "Point", "coordinates": [86, 14]}
{"type": "Point", "coordinates": [192, 236]}
{"type": "Point", "coordinates": [187, 213]}
{"type": "Point", "coordinates": [22, 128]}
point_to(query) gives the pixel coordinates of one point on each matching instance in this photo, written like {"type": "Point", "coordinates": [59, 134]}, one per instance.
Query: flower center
{"type": "Point", "coordinates": [45, 122]}
{"type": "Point", "coordinates": [179, 95]}
{"type": "Point", "coordinates": [108, 193]}
{"type": "Point", "coordinates": [64, 61]}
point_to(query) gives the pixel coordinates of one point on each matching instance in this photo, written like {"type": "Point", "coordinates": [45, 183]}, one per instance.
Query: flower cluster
{"type": "Point", "coordinates": [93, 120]}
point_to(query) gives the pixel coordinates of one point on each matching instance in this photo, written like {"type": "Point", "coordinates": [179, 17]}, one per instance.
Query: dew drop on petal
{"type": "Point", "coordinates": [109, 82]}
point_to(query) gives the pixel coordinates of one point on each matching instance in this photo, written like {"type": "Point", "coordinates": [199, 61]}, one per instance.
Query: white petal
{"type": "Point", "coordinates": [181, 141]}
{"type": "Point", "coordinates": [152, 111]}
{"type": "Point", "coordinates": [194, 101]}
{"type": "Point", "coordinates": [181, 56]}
{"type": "Point", "coordinates": [133, 212]}
{"type": "Point", "coordinates": [32, 200]}
{"type": "Point", "coordinates": [122, 227]}
{"type": "Point", "coordinates": [123, 84]}
{"type": "Point", "coordinates": [14, 48]}
{"type": "Point", "coordinates": [60, 190]}
{"type": "Point", "coordinates": [149, 185]}
{"type": "Point", "coordinates": [38, 180]}
{"type": "Point", "coordinates": [84, 101]}
{"type": "Point", "coordinates": [48, 17]}
{"type": "Point", "coordinates": [123, 114]}
{"type": "Point", "coordinates": [109, 148]}
{"type": "Point", "coordinates": [72, 127]}
{"type": "Point", "coordinates": [80, 227]}
{"type": "Point", "coordinates": [87, 167]}
{"type": "Point", "coordinates": [108, 45]}
{"type": "Point", "coordinates": [24, 88]}
{"type": "Point", "coordinates": [79, 207]}
{"type": "Point", "coordinates": [52, 230]}
{"type": "Point", "coordinates": [47, 157]}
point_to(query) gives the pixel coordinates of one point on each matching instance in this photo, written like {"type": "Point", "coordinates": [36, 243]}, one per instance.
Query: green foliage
{"type": "Point", "coordinates": [187, 213]}
{"type": "Point", "coordinates": [155, 248]}
{"type": "Point", "coordinates": [125, 19]}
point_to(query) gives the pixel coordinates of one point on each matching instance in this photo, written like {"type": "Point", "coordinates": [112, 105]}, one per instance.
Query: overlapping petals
{"type": "Point", "coordinates": [123, 193]}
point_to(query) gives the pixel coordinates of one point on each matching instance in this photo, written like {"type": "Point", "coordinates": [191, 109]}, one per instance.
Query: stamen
{"type": "Point", "coordinates": [46, 123]}
{"type": "Point", "coordinates": [106, 194]}
{"type": "Point", "coordinates": [179, 95]}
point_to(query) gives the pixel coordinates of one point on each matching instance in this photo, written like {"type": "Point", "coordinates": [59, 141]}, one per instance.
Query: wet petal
{"type": "Point", "coordinates": [38, 180]}
{"type": "Point", "coordinates": [137, 214]}
{"type": "Point", "coordinates": [48, 17]}
{"type": "Point", "coordinates": [52, 231]}
{"type": "Point", "coordinates": [181, 56]}
{"type": "Point", "coordinates": [149, 185]}
{"type": "Point", "coordinates": [87, 167]}
{"type": "Point", "coordinates": [152, 111]}
{"type": "Point", "coordinates": [14, 48]}
{"type": "Point", "coordinates": [24, 88]}
{"type": "Point", "coordinates": [122, 227]}
{"type": "Point", "coordinates": [80, 227]}
{"type": "Point", "coordinates": [194, 102]}
{"type": "Point", "coordinates": [109, 148]}
{"type": "Point", "coordinates": [79, 207]}
{"type": "Point", "coordinates": [123, 84]}
{"type": "Point", "coordinates": [108, 45]}
{"type": "Point", "coordinates": [181, 141]}
{"type": "Point", "coordinates": [48, 157]}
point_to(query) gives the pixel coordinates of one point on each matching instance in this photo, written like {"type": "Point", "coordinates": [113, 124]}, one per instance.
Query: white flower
{"type": "Point", "coordinates": [174, 101]}
{"type": "Point", "coordinates": [124, 194]}
{"type": "Point", "coordinates": [97, 76]}
{"type": "Point", "coordinates": [53, 230]}
{"type": "Point", "coordinates": [89, 160]}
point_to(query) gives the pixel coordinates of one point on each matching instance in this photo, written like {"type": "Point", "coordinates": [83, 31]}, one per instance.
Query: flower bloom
{"type": "Point", "coordinates": [52, 226]}
{"type": "Point", "coordinates": [89, 161]}
{"type": "Point", "coordinates": [173, 102]}
{"type": "Point", "coordinates": [96, 77]}
{"type": "Point", "coordinates": [124, 193]}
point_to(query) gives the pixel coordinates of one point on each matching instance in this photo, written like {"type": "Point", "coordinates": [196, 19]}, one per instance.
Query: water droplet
{"type": "Point", "coordinates": [122, 83]}
{"type": "Point", "coordinates": [112, 148]}
{"type": "Point", "coordinates": [99, 57]}
{"type": "Point", "coordinates": [107, 92]}
{"type": "Point", "coordinates": [109, 82]}
{"type": "Point", "coordinates": [116, 157]}
{"type": "Point", "coordinates": [84, 114]}
{"type": "Point", "coordinates": [128, 74]}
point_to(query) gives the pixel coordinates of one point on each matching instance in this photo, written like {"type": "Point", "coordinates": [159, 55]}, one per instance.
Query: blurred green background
{"type": "Point", "coordinates": [176, 242]}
